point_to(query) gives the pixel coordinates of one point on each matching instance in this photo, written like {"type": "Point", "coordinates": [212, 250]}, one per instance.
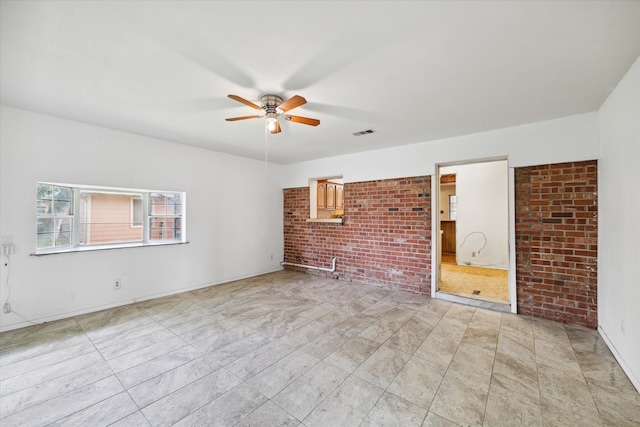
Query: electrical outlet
{"type": "Point", "coordinates": [7, 249]}
{"type": "Point", "coordinates": [473, 254]}
{"type": "Point", "coordinates": [117, 284]}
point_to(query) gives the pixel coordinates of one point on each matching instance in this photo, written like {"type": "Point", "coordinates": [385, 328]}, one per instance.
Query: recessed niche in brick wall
{"type": "Point", "coordinates": [385, 239]}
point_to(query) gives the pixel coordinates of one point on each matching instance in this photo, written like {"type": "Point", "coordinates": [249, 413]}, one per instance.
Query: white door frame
{"type": "Point", "coordinates": [436, 238]}
{"type": "Point", "coordinates": [513, 295]}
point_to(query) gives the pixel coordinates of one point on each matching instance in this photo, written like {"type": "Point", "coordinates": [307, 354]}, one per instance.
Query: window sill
{"type": "Point", "coordinates": [330, 220]}
{"type": "Point", "coordinates": [105, 248]}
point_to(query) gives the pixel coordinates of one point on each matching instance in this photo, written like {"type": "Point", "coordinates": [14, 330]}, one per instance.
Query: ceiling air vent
{"type": "Point", "coordinates": [363, 132]}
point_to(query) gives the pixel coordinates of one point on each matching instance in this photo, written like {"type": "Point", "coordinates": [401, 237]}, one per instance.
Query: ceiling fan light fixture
{"type": "Point", "coordinates": [271, 123]}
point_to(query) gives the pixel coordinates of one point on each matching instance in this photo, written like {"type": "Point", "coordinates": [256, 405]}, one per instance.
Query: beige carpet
{"type": "Point", "coordinates": [488, 284]}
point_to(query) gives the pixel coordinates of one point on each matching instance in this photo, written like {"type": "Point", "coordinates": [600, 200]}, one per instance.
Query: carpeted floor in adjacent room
{"type": "Point", "coordinates": [488, 284]}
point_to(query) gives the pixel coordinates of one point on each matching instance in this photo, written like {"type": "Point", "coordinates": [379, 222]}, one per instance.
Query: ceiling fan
{"type": "Point", "coordinates": [274, 108]}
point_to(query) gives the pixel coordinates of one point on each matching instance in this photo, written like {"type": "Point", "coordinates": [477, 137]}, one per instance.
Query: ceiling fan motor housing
{"type": "Point", "coordinates": [270, 104]}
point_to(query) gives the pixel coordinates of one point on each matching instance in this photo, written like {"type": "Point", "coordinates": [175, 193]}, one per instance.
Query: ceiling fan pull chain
{"type": "Point", "coordinates": [266, 150]}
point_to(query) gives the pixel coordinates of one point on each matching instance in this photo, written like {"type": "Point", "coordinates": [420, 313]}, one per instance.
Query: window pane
{"type": "Point", "coordinates": [453, 202]}
{"type": "Point", "coordinates": [83, 215]}
{"type": "Point", "coordinates": [178, 228]}
{"type": "Point", "coordinates": [106, 218]}
{"type": "Point", "coordinates": [165, 228]}
{"type": "Point", "coordinates": [53, 200]}
{"type": "Point", "coordinates": [136, 212]}
{"type": "Point", "coordinates": [165, 204]}
{"type": "Point", "coordinates": [164, 212]}
{"type": "Point", "coordinates": [174, 198]}
{"type": "Point", "coordinates": [54, 232]}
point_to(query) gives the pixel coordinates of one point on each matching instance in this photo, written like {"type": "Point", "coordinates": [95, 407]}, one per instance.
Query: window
{"type": "Point", "coordinates": [453, 201]}
{"type": "Point", "coordinates": [71, 218]}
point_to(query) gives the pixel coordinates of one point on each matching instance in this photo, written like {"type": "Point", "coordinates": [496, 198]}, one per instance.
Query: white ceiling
{"type": "Point", "coordinates": [412, 71]}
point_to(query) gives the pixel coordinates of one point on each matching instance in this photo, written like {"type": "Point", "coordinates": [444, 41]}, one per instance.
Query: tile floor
{"type": "Point", "coordinates": [293, 349]}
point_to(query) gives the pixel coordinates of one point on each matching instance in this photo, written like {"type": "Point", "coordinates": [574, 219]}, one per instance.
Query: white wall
{"type": "Point", "coordinates": [234, 216]}
{"type": "Point", "coordinates": [482, 207]}
{"type": "Point", "coordinates": [619, 223]}
{"type": "Point", "coordinates": [572, 138]}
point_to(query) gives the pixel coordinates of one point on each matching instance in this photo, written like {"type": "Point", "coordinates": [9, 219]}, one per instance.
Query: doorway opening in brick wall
{"type": "Point", "coordinates": [472, 227]}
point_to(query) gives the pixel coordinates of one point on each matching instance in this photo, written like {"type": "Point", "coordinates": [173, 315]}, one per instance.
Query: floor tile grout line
{"type": "Point", "coordinates": [66, 393]}
{"type": "Point", "coordinates": [595, 402]}
{"type": "Point", "coordinates": [538, 332]}
{"type": "Point", "coordinates": [199, 407]}
{"type": "Point", "coordinates": [343, 381]}
{"type": "Point", "coordinates": [493, 365]}
{"type": "Point", "coordinates": [114, 375]}
{"type": "Point", "coordinates": [240, 379]}
{"type": "Point", "coordinates": [8, 354]}
{"type": "Point", "coordinates": [449, 365]}
{"type": "Point", "coordinates": [535, 353]}
{"type": "Point", "coordinates": [533, 349]}
{"type": "Point", "coordinates": [285, 410]}
{"type": "Point", "coordinates": [141, 348]}
{"type": "Point", "coordinates": [386, 390]}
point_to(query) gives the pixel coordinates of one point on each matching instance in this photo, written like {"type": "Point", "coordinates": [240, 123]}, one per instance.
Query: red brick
{"type": "Point", "coordinates": [569, 246]}
{"type": "Point", "coordinates": [387, 241]}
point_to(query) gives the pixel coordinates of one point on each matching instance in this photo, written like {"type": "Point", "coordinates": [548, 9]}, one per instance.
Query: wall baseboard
{"type": "Point", "coordinates": [60, 316]}
{"type": "Point", "coordinates": [625, 367]}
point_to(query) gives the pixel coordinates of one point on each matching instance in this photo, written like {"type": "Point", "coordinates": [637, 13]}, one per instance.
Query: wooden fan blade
{"type": "Point", "coordinates": [293, 102]}
{"type": "Point", "coordinates": [276, 128]}
{"type": "Point", "coordinates": [304, 120]}
{"type": "Point", "coordinates": [233, 119]}
{"type": "Point", "coordinates": [244, 101]}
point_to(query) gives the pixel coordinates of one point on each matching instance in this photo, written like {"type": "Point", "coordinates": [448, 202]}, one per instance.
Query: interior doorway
{"type": "Point", "coordinates": [473, 259]}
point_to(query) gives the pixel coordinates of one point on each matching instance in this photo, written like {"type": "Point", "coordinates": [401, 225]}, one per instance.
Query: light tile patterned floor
{"type": "Point", "coordinates": [293, 349]}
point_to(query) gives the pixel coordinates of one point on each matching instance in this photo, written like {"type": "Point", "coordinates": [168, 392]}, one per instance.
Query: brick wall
{"type": "Point", "coordinates": [556, 242]}
{"type": "Point", "coordinates": [385, 239]}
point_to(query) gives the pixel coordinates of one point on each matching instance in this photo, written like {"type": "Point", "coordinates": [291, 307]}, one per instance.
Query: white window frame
{"type": "Point", "coordinates": [134, 224]}
{"type": "Point", "coordinates": [77, 246]}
